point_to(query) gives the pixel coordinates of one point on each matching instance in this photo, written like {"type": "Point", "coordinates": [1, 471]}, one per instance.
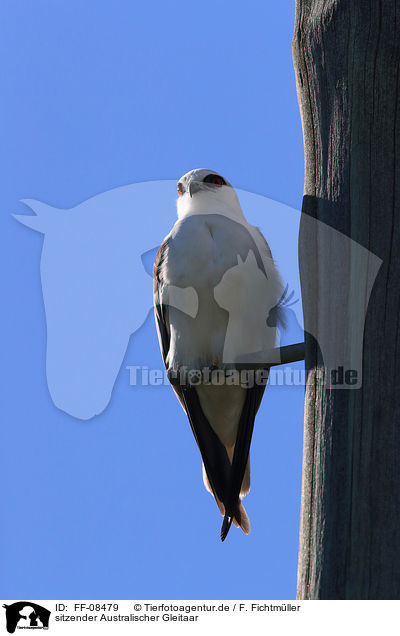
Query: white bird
{"type": "Point", "coordinates": [215, 283]}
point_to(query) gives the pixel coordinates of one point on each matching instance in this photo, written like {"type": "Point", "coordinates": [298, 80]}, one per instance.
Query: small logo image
{"type": "Point", "coordinates": [26, 615]}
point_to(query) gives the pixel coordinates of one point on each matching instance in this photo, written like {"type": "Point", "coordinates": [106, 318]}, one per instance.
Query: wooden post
{"type": "Point", "coordinates": [346, 56]}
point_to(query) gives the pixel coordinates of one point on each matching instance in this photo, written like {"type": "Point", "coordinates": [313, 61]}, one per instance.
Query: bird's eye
{"type": "Point", "coordinates": [214, 179]}
{"type": "Point", "coordinates": [179, 187]}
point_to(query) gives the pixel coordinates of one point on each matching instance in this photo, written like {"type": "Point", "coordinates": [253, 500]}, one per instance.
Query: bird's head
{"type": "Point", "coordinates": [203, 190]}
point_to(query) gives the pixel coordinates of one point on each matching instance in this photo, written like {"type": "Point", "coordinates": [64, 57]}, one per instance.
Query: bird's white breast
{"type": "Point", "coordinates": [220, 260]}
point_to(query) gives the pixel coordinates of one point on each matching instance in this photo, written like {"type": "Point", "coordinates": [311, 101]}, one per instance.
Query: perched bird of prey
{"type": "Point", "coordinates": [215, 284]}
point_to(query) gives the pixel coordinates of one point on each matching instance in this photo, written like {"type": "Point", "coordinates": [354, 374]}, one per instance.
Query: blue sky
{"type": "Point", "coordinates": [96, 96]}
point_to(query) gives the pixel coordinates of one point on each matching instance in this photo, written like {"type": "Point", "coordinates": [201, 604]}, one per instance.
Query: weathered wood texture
{"type": "Point", "coordinates": [346, 56]}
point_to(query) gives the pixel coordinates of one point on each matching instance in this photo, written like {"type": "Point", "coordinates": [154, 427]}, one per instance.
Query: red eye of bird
{"type": "Point", "coordinates": [215, 179]}
{"type": "Point", "coordinates": [179, 187]}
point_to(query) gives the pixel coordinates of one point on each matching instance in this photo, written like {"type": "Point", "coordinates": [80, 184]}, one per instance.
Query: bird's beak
{"type": "Point", "coordinates": [193, 186]}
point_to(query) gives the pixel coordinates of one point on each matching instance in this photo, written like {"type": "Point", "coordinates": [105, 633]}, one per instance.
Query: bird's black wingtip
{"type": "Point", "coordinates": [226, 524]}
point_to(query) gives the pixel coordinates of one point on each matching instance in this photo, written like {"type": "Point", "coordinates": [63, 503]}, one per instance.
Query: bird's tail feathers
{"type": "Point", "coordinates": [239, 519]}
{"type": "Point", "coordinates": [226, 524]}
{"type": "Point", "coordinates": [244, 520]}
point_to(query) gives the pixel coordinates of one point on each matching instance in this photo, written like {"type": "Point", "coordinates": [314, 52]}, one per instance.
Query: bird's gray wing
{"type": "Point", "coordinates": [213, 452]}
{"type": "Point", "coordinates": [240, 456]}
{"type": "Point", "coordinates": [160, 309]}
